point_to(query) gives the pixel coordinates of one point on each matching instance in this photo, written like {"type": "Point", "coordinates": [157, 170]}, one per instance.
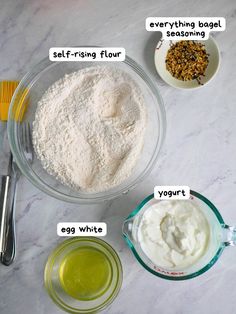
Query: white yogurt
{"type": "Point", "coordinates": [174, 234]}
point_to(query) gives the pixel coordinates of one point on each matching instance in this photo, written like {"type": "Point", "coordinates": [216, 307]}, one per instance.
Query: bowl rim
{"type": "Point", "coordinates": [199, 85]}
{"type": "Point", "coordinates": [26, 82]}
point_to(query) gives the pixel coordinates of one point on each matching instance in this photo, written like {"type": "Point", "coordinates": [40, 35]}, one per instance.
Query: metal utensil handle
{"type": "Point", "coordinates": [5, 190]}
{"type": "Point", "coordinates": [10, 238]}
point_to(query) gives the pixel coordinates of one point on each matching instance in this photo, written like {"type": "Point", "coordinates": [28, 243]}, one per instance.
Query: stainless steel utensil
{"type": "Point", "coordinates": [9, 175]}
{"type": "Point", "coordinates": [8, 197]}
{"type": "Point", "coordinates": [9, 239]}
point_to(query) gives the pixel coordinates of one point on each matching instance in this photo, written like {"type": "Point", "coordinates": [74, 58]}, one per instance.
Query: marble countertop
{"type": "Point", "coordinates": [199, 151]}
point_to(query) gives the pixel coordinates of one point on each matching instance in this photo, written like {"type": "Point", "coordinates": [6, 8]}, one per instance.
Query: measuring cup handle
{"type": "Point", "coordinates": [229, 235]}
{"type": "Point", "coordinates": [127, 230]}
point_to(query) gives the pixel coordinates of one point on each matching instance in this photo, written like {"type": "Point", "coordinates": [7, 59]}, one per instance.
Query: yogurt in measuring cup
{"type": "Point", "coordinates": [174, 233]}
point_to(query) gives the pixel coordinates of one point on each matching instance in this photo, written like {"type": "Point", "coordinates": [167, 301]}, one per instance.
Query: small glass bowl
{"type": "Point", "coordinates": [29, 92]}
{"type": "Point", "coordinates": [53, 284]}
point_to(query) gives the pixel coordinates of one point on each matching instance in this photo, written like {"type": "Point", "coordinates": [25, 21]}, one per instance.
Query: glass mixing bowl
{"type": "Point", "coordinates": [29, 92]}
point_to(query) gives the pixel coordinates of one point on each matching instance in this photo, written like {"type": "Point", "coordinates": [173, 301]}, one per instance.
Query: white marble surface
{"type": "Point", "coordinates": [199, 151]}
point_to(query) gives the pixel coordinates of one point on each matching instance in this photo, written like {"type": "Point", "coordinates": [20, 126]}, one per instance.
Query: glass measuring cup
{"type": "Point", "coordinates": [221, 236]}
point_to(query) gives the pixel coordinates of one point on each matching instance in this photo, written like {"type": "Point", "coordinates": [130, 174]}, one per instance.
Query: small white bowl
{"type": "Point", "coordinates": [211, 70]}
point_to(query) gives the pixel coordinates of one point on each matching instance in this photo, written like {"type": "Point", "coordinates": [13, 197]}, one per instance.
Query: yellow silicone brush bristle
{"type": "Point", "coordinates": [21, 101]}
{"type": "Point", "coordinates": [7, 89]}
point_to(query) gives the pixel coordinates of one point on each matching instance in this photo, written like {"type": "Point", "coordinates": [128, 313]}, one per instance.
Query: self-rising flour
{"type": "Point", "coordinates": [89, 128]}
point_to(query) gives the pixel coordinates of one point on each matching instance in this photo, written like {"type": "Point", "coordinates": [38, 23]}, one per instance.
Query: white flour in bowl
{"type": "Point", "coordinates": [89, 128]}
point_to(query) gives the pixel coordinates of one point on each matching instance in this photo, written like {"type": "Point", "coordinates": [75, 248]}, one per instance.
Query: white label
{"type": "Point", "coordinates": [174, 192]}
{"type": "Point", "coordinates": [86, 54]}
{"type": "Point", "coordinates": [72, 229]}
{"type": "Point", "coordinates": [187, 28]}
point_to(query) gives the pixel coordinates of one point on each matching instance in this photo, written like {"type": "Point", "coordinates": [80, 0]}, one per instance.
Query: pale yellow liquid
{"type": "Point", "coordinates": [85, 273]}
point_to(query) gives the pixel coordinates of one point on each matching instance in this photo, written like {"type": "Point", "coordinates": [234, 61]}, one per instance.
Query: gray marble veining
{"type": "Point", "coordinates": [199, 151]}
